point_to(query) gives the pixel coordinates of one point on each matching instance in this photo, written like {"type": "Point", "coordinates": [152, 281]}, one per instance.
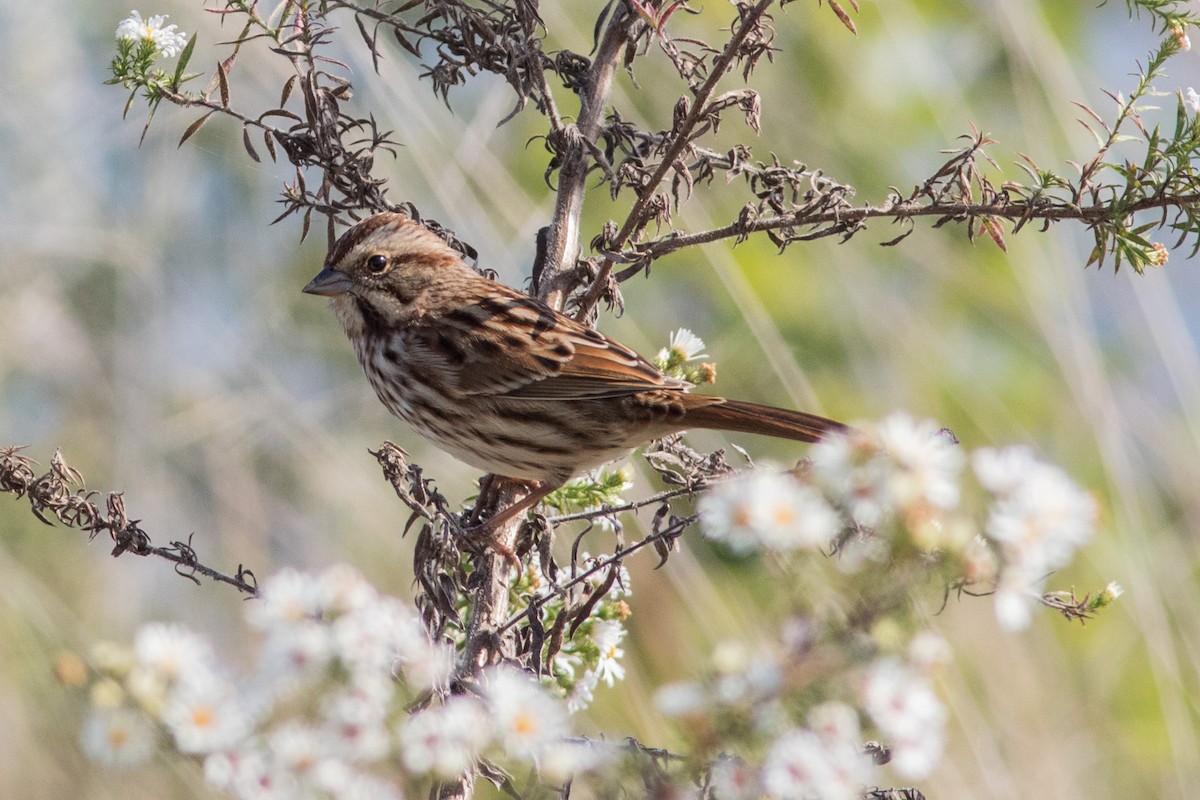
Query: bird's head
{"type": "Point", "coordinates": [382, 269]}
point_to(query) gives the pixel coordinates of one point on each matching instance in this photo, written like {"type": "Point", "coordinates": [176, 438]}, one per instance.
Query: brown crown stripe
{"type": "Point", "coordinates": [361, 232]}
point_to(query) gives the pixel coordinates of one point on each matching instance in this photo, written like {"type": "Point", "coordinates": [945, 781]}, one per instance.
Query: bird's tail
{"type": "Point", "coordinates": [742, 417]}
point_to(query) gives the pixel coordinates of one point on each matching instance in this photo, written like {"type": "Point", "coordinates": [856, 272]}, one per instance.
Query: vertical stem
{"type": "Point", "coordinates": [563, 241]}
{"type": "Point", "coordinates": [486, 641]}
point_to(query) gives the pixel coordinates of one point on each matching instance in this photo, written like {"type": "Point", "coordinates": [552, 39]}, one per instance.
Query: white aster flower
{"type": "Point", "coordinates": [526, 718]}
{"type": "Point", "coordinates": [767, 509]}
{"type": "Point", "coordinates": [298, 748]}
{"type": "Point", "coordinates": [446, 739]}
{"type": "Point", "coordinates": [428, 667]}
{"type": "Point", "coordinates": [167, 39]}
{"type": "Point", "coordinates": [684, 345]}
{"type": "Point", "coordinates": [344, 589]}
{"type": "Point", "coordinates": [344, 783]}
{"type": "Point", "coordinates": [118, 737]}
{"type": "Point", "coordinates": [851, 469]}
{"type": "Point", "coordinates": [364, 700]}
{"type": "Point", "coordinates": [1015, 598]}
{"type": "Point", "coordinates": [801, 765]}
{"type": "Point", "coordinates": [1040, 517]}
{"type": "Point", "coordinates": [1002, 471]}
{"type": "Point", "coordinates": [607, 635]}
{"type": "Point", "coordinates": [247, 772]}
{"type": "Point", "coordinates": [205, 718]}
{"type": "Point", "coordinates": [907, 711]}
{"type": "Point", "coordinates": [583, 691]}
{"type": "Point", "coordinates": [172, 653]}
{"type": "Point", "coordinates": [360, 742]}
{"type": "Point", "coordinates": [731, 778]}
{"type": "Point", "coordinates": [927, 462]}
{"type": "Point", "coordinates": [288, 597]}
{"type": "Point", "coordinates": [372, 638]}
{"type": "Point", "coordinates": [296, 650]}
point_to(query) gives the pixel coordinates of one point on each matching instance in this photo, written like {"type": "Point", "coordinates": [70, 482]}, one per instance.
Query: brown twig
{"type": "Point", "coordinates": [60, 493]}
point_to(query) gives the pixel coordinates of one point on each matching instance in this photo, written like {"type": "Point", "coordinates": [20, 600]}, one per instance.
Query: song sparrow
{"type": "Point", "coordinates": [500, 380]}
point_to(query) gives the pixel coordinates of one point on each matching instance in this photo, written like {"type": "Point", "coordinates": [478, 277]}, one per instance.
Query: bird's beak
{"type": "Point", "coordinates": [329, 282]}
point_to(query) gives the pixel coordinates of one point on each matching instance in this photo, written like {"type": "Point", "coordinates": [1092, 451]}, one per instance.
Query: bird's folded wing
{"type": "Point", "coordinates": [517, 347]}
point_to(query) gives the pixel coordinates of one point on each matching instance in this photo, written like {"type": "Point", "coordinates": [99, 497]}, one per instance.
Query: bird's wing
{"type": "Point", "coordinates": [514, 346]}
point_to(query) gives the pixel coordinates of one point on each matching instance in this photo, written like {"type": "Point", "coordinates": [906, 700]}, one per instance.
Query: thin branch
{"type": "Point", "coordinates": [847, 221]}
{"type": "Point", "coordinates": [575, 145]}
{"type": "Point", "coordinates": [668, 532]}
{"type": "Point", "coordinates": [61, 493]}
{"type": "Point", "coordinates": [639, 215]}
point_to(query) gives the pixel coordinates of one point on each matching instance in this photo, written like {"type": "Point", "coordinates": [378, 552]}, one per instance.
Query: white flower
{"type": "Point", "coordinates": [851, 469]}
{"type": "Point", "coordinates": [583, 691]}
{"type": "Point", "coordinates": [766, 509]}
{"type": "Point", "coordinates": [732, 778]}
{"type": "Point", "coordinates": [360, 742]}
{"type": "Point", "coordinates": [172, 653]}
{"type": "Point", "coordinates": [372, 638]}
{"type": "Point", "coordinates": [295, 650]}
{"type": "Point", "coordinates": [205, 718]}
{"type": "Point", "coordinates": [118, 737]}
{"type": "Point", "coordinates": [297, 747]}
{"type": "Point", "coordinates": [684, 345]}
{"type": "Point", "coordinates": [167, 39]}
{"type": "Point", "coordinates": [1039, 519]}
{"type": "Point", "coordinates": [607, 635]}
{"type": "Point", "coordinates": [344, 783]}
{"type": "Point", "coordinates": [288, 597]}
{"type": "Point", "coordinates": [364, 700]}
{"type": "Point", "coordinates": [927, 462]}
{"type": "Point", "coordinates": [527, 719]}
{"type": "Point", "coordinates": [906, 710]}
{"type": "Point", "coordinates": [428, 667]}
{"type": "Point", "coordinates": [1192, 100]}
{"type": "Point", "coordinates": [1179, 33]}
{"type": "Point", "coordinates": [344, 589]}
{"type": "Point", "coordinates": [802, 765]}
{"type": "Point", "coordinates": [247, 772]}
{"type": "Point", "coordinates": [446, 739]}
{"type": "Point", "coordinates": [1003, 471]}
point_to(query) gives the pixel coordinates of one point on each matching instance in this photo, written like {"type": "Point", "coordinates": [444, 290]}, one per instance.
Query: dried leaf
{"type": "Point", "coordinates": [195, 126]}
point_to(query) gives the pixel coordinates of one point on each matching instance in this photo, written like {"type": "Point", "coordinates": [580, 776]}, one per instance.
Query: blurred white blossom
{"type": "Point", "coordinates": [118, 737]}
{"type": "Point", "coordinates": [1039, 518]}
{"type": "Point", "coordinates": [526, 718]}
{"type": "Point", "coordinates": [445, 739]}
{"type": "Point", "coordinates": [760, 509]}
{"type": "Point", "coordinates": [906, 710]}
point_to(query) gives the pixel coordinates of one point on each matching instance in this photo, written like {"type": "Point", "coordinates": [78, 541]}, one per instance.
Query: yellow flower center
{"type": "Point", "coordinates": [525, 724]}
{"type": "Point", "coordinates": [202, 716]}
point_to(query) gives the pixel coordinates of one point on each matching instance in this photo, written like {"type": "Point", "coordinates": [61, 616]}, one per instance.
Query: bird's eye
{"type": "Point", "coordinates": [377, 263]}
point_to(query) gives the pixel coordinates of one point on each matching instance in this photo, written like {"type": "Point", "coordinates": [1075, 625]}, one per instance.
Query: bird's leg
{"type": "Point", "coordinates": [487, 529]}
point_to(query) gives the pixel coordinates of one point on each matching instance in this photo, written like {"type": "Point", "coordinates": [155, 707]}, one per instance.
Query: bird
{"type": "Point", "coordinates": [502, 381]}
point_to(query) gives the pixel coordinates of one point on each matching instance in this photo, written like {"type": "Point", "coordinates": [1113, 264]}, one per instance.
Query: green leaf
{"type": "Point", "coordinates": [184, 57]}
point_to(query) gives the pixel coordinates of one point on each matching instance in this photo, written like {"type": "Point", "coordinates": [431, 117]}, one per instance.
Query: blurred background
{"type": "Point", "coordinates": [152, 326]}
